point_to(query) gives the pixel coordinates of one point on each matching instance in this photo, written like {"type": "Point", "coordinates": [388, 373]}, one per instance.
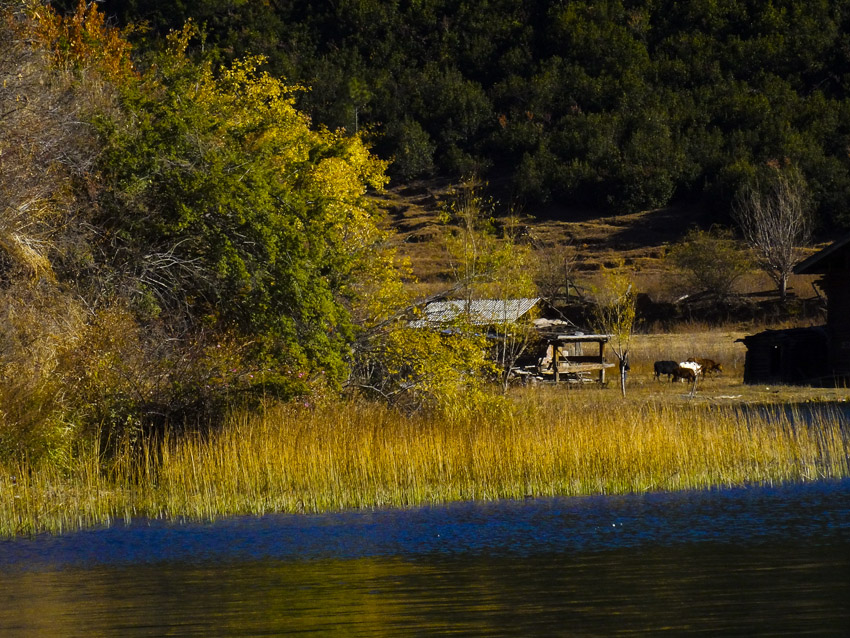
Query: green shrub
{"type": "Point", "coordinates": [711, 261]}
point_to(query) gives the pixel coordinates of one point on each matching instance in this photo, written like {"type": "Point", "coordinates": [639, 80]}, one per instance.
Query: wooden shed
{"type": "Point", "coordinates": [817, 355]}
{"type": "Point", "coordinates": [571, 358]}
{"type": "Point", "coordinates": [797, 355]}
{"type": "Point", "coordinates": [833, 265]}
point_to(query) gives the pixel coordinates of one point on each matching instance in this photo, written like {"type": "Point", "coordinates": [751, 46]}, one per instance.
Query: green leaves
{"type": "Point", "coordinates": [712, 261]}
{"type": "Point", "coordinates": [263, 218]}
{"type": "Point", "coordinates": [679, 91]}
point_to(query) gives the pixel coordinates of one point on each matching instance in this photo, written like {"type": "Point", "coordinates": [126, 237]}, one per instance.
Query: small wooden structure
{"type": "Point", "coordinates": [833, 265]}
{"type": "Point", "coordinates": [571, 358]}
{"type": "Point", "coordinates": [797, 355]}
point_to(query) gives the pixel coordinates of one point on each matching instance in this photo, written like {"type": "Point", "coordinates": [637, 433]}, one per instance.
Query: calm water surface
{"type": "Point", "coordinates": [766, 561]}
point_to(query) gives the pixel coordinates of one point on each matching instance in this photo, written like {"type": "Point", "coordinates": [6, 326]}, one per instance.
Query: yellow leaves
{"type": "Point", "coordinates": [82, 40]}
{"type": "Point", "coordinates": [489, 264]}
{"type": "Point", "coordinates": [352, 149]}
{"type": "Point", "coordinates": [338, 183]}
{"type": "Point", "coordinates": [178, 41]}
{"type": "Point", "coordinates": [340, 180]}
{"type": "Point", "coordinates": [258, 111]}
{"type": "Point", "coordinates": [335, 178]}
{"type": "Point", "coordinates": [379, 289]}
{"type": "Point", "coordinates": [615, 308]}
{"type": "Point", "coordinates": [442, 368]}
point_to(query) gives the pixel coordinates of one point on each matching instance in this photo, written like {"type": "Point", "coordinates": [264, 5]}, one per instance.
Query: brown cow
{"type": "Point", "coordinates": [687, 370]}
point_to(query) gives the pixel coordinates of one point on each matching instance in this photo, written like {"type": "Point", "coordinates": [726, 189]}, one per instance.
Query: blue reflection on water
{"type": "Point", "coordinates": [817, 512]}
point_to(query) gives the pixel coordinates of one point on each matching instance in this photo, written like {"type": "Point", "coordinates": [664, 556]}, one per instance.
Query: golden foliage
{"type": "Point", "coordinates": [81, 41]}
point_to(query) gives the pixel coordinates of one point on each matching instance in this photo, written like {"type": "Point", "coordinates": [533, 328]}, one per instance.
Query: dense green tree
{"type": "Point", "coordinates": [222, 202]}
{"type": "Point", "coordinates": [188, 238]}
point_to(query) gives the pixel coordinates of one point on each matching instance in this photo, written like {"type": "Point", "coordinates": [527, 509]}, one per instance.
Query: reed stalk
{"type": "Point", "coordinates": [363, 455]}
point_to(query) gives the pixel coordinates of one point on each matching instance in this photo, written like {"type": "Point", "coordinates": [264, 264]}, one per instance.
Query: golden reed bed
{"type": "Point", "coordinates": [362, 455]}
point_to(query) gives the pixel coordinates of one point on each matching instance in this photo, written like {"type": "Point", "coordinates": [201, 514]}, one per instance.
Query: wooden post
{"type": "Point", "coordinates": [602, 360]}
{"type": "Point", "coordinates": [555, 362]}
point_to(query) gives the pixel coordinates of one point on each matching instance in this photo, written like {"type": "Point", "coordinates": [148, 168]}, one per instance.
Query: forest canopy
{"type": "Point", "coordinates": [620, 105]}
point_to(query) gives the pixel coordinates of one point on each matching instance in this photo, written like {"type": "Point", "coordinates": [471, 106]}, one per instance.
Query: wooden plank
{"type": "Point", "coordinates": [602, 358]}
{"type": "Point", "coordinates": [586, 367]}
{"type": "Point", "coordinates": [583, 338]}
{"type": "Point", "coordinates": [583, 359]}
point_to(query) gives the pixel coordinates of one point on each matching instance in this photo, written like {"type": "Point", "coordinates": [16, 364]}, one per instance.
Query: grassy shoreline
{"type": "Point", "coordinates": [542, 442]}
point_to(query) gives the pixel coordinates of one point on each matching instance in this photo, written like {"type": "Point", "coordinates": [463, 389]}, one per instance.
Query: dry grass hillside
{"type": "Point", "coordinates": [587, 241]}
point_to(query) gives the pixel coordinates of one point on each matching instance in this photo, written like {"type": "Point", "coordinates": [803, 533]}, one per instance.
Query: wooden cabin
{"type": "Point", "coordinates": [833, 265]}
{"type": "Point", "coordinates": [819, 355]}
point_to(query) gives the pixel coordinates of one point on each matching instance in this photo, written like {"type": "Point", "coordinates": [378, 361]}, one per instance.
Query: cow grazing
{"type": "Point", "coordinates": [707, 365]}
{"type": "Point", "coordinates": [687, 370]}
{"type": "Point", "coordinates": [665, 367]}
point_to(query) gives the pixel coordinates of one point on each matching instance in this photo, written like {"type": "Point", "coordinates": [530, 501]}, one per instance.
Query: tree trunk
{"type": "Point", "coordinates": [783, 287]}
{"type": "Point", "coordinates": [694, 385]}
{"type": "Point", "coordinates": [624, 367]}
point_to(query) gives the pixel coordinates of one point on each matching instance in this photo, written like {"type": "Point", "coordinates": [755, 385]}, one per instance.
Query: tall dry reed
{"type": "Point", "coordinates": [361, 455]}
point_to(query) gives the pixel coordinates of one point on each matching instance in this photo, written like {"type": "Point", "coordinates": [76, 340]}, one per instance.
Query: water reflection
{"type": "Point", "coordinates": [741, 562]}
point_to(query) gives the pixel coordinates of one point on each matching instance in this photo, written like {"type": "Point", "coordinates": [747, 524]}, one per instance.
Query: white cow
{"type": "Point", "coordinates": [687, 370]}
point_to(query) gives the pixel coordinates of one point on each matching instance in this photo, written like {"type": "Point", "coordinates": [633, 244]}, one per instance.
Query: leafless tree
{"type": "Point", "coordinates": [774, 216]}
{"type": "Point", "coordinates": [554, 270]}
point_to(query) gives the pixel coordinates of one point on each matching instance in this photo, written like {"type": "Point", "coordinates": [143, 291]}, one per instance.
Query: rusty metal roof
{"type": "Point", "coordinates": [481, 312]}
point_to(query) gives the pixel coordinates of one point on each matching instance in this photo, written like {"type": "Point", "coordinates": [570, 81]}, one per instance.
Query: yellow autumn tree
{"type": "Point", "coordinates": [449, 362]}
{"type": "Point", "coordinates": [489, 262]}
{"type": "Point", "coordinates": [614, 308]}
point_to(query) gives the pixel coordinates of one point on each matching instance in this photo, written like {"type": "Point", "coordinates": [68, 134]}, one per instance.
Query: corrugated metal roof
{"type": "Point", "coordinates": [482, 312]}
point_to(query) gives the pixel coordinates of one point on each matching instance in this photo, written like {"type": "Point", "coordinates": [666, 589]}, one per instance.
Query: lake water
{"type": "Point", "coordinates": [760, 561]}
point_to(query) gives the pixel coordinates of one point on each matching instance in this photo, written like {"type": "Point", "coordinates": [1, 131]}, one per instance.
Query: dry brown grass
{"type": "Point", "coordinates": [638, 242]}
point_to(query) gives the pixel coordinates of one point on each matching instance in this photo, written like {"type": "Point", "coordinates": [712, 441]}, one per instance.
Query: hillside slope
{"type": "Point", "coordinates": [590, 241]}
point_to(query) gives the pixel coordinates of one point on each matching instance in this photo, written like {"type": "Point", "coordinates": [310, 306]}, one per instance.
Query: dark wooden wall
{"type": "Point", "coordinates": [836, 285]}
